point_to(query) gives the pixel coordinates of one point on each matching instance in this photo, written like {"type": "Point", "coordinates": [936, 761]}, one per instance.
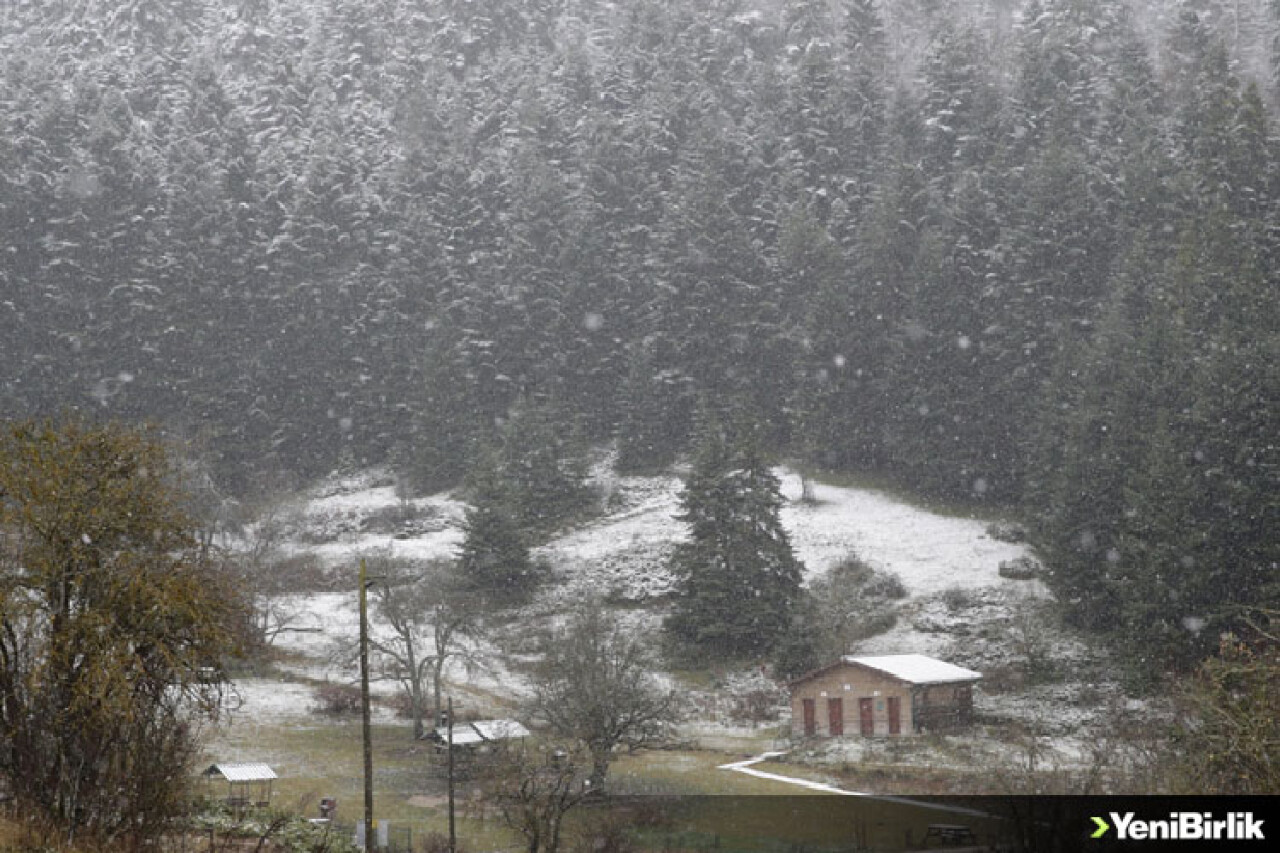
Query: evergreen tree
{"type": "Point", "coordinates": [737, 578]}
{"type": "Point", "coordinates": [449, 422]}
{"type": "Point", "coordinates": [544, 468]}
{"type": "Point", "coordinates": [813, 270]}
{"type": "Point", "coordinates": [494, 561]}
{"type": "Point", "coordinates": [655, 416]}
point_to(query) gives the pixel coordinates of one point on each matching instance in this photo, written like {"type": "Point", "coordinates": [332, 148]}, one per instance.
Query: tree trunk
{"type": "Point", "coordinates": [415, 687]}
{"type": "Point", "coordinates": [599, 768]}
{"type": "Point", "coordinates": [437, 685]}
{"type": "Point", "coordinates": [415, 709]}
{"type": "Point", "coordinates": [553, 843]}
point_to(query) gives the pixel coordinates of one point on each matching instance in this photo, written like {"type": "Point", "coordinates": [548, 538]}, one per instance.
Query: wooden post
{"type": "Point", "coordinates": [364, 706]}
{"type": "Point", "coordinates": [453, 834]}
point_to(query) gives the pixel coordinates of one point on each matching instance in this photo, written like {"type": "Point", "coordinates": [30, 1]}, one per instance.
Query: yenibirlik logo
{"type": "Point", "coordinates": [1182, 826]}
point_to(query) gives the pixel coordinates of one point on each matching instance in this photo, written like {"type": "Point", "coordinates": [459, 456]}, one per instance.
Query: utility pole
{"type": "Point", "coordinates": [364, 706]}
{"type": "Point", "coordinates": [453, 834]}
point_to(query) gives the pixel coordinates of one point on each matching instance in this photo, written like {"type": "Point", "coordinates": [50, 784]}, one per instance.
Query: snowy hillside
{"type": "Point", "coordinates": [623, 553]}
{"type": "Point", "coordinates": [956, 606]}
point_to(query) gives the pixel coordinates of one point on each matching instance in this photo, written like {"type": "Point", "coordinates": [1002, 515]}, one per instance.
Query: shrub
{"type": "Point", "coordinates": [1030, 636]}
{"type": "Point", "coordinates": [885, 585]}
{"type": "Point", "coordinates": [437, 842]}
{"type": "Point", "coordinates": [610, 834]}
{"type": "Point", "coordinates": [957, 598]}
{"type": "Point", "coordinates": [1007, 531]}
{"type": "Point", "coordinates": [756, 706]}
{"type": "Point", "coordinates": [337, 700]}
{"type": "Point", "coordinates": [877, 621]}
{"type": "Point", "coordinates": [851, 570]}
{"type": "Point", "coordinates": [852, 602]}
{"type": "Point", "coordinates": [298, 573]}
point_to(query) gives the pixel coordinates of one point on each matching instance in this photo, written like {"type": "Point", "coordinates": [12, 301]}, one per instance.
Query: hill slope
{"type": "Point", "coordinates": [1039, 678]}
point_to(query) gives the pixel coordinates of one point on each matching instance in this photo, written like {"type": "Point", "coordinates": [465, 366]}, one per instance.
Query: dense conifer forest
{"type": "Point", "coordinates": [1022, 253]}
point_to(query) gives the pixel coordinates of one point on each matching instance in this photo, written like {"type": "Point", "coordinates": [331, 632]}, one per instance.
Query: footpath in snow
{"type": "Point", "coordinates": [748, 767]}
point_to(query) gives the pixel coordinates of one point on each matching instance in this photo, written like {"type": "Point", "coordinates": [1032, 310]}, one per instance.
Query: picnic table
{"type": "Point", "coordinates": [949, 834]}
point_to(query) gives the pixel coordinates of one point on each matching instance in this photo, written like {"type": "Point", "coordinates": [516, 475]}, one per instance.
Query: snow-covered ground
{"type": "Point", "coordinates": [276, 701]}
{"type": "Point", "coordinates": [338, 521]}
{"type": "Point", "coordinates": [624, 551]}
{"type": "Point", "coordinates": [624, 554]}
{"type": "Point", "coordinates": [928, 552]}
{"type": "Point", "coordinates": [957, 605]}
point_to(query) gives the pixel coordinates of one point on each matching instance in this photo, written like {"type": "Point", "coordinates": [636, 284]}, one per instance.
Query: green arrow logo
{"type": "Point", "coordinates": [1103, 826]}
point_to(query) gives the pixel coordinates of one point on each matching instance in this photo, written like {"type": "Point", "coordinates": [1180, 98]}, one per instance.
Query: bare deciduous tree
{"type": "Point", "coordinates": [534, 789]}
{"type": "Point", "coordinates": [431, 623]}
{"type": "Point", "coordinates": [259, 563]}
{"type": "Point", "coordinates": [595, 685]}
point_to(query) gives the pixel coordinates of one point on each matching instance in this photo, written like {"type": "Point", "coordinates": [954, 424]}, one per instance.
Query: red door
{"type": "Point", "coordinates": [810, 718]}
{"type": "Point", "coordinates": [865, 717]}
{"type": "Point", "coordinates": [835, 716]}
{"type": "Point", "coordinates": [895, 715]}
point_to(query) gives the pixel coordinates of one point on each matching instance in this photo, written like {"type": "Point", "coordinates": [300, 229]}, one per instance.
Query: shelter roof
{"type": "Point", "coordinates": [482, 731]}
{"type": "Point", "coordinates": [910, 669]}
{"type": "Point", "coordinates": [242, 772]}
{"type": "Point", "coordinates": [915, 669]}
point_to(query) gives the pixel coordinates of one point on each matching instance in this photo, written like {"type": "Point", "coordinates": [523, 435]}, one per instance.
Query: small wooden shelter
{"type": "Point", "coordinates": [247, 784]}
{"type": "Point", "coordinates": [885, 695]}
{"type": "Point", "coordinates": [473, 744]}
{"type": "Point", "coordinates": [480, 733]}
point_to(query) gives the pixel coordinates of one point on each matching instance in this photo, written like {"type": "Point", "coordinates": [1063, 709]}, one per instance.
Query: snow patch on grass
{"type": "Point", "coordinates": [274, 701]}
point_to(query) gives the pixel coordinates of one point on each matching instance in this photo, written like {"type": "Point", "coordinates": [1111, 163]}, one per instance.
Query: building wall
{"type": "Point", "coordinates": [937, 707]}
{"type": "Point", "coordinates": [851, 684]}
{"type": "Point", "coordinates": [943, 707]}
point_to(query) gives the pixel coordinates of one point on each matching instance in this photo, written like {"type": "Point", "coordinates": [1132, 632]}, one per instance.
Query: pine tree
{"type": "Point", "coordinates": [448, 424]}
{"type": "Point", "coordinates": [737, 578]}
{"type": "Point", "coordinates": [655, 418]}
{"type": "Point", "coordinates": [544, 468]}
{"type": "Point", "coordinates": [494, 561]}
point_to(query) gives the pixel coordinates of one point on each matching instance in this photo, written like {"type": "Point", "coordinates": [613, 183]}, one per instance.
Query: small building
{"type": "Point", "coordinates": [479, 733]}
{"type": "Point", "coordinates": [473, 744]}
{"type": "Point", "coordinates": [885, 695]}
{"type": "Point", "coordinates": [247, 784]}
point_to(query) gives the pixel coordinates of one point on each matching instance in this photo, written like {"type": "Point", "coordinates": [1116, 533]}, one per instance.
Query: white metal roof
{"type": "Point", "coordinates": [480, 731]}
{"type": "Point", "coordinates": [242, 772]}
{"type": "Point", "coordinates": [499, 729]}
{"type": "Point", "coordinates": [916, 669]}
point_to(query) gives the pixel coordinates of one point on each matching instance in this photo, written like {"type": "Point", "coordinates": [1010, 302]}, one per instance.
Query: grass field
{"type": "Point", "coordinates": [679, 799]}
{"type": "Point", "coordinates": [322, 757]}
